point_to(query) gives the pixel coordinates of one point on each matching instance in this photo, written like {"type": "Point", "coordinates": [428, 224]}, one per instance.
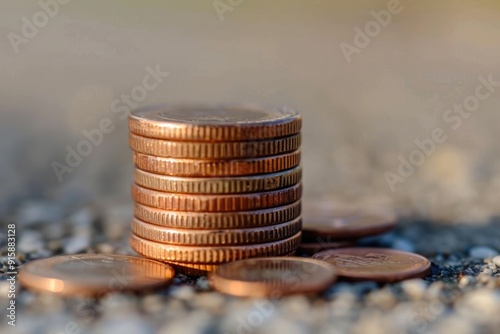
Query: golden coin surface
{"type": "Point", "coordinates": [211, 168]}
{"type": "Point", "coordinates": [218, 203]}
{"type": "Point", "coordinates": [211, 254]}
{"type": "Point", "coordinates": [217, 220]}
{"type": "Point", "coordinates": [213, 150]}
{"type": "Point", "coordinates": [320, 224]}
{"type": "Point", "coordinates": [256, 235]}
{"type": "Point", "coordinates": [375, 264]}
{"type": "Point", "coordinates": [214, 123]}
{"type": "Point", "coordinates": [221, 185]}
{"type": "Point", "coordinates": [273, 277]}
{"type": "Point", "coordinates": [94, 274]}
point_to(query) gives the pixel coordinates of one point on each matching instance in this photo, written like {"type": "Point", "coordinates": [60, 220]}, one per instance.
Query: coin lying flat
{"type": "Point", "coordinates": [272, 277]}
{"type": "Point", "coordinates": [217, 220]}
{"type": "Point", "coordinates": [355, 225]}
{"type": "Point", "coordinates": [94, 274]}
{"type": "Point", "coordinates": [221, 185]}
{"type": "Point", "coordinates": [213, 150]}
{"type": "Point", "coordinates": [211, 254]}
{"type": "Point", "coordinates": [311, 248]}
{"type": "Point", "coordinates": [200, 269]}
{"type": "Point", "coordinates": [256, 235]}
{"type": "Point", "coordinates": [216, 168]}
{"type": "Point", "coordinates": [375, 264]}
{"type": "Point", "coordinates": [214, 123]}
{"type": "Point", "coordinates": [218, 203]}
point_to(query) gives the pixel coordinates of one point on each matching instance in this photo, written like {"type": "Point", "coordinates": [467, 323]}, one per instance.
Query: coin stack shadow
{"type": "Point", "coordinates": [215, 184]}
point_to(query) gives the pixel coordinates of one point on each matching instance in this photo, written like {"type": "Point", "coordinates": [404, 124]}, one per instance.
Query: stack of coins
{"type": "Point", "coordinates": [215, 184]}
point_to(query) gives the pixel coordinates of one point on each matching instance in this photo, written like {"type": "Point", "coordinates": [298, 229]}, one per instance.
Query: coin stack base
{"type": "Point", "coordinates": [215, 184]}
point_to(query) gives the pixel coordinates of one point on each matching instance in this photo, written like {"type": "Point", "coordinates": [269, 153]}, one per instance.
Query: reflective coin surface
{"type": "Point", "coordinates": [273, 277]}
{"type": "Point", "coordinates": [375, 264]}
{"type": "Point", "coordinates": [94, 274]}
{"type": "Point", "coordinates": [214, 123]}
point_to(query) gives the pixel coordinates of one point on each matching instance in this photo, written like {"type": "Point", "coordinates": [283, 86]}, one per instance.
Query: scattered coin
{"type": "Point", "coordinates": [311, 248]}
{"type": "Point", "coordinates": [218, 203]}
{"type": "Point", "coordinates": [375, 264]}
{"type": "Point", "coordinates": [211, 254]}
{"type": "Point", "coordinates": [213, 150]}
{"type": "Point", "coordinates": [94, 274]}
{"type": "Point", "coordinates": [204, 237]}
{"type": "Point", "coordinates": [214, 123]}
{"type": "Point", "coordinates": [217, 220]}
{"type": "Point", "coordinates": [220, 185]}
{"type": "Point", "coordinates": [272, 277]}
{"type": "Point", "coordinates": [217, 168]}
{"type": "Point", "coordinates": [345, 226]}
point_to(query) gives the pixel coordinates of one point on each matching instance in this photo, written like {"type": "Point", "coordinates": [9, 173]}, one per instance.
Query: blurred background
{"type": "Point", "coordinates": [362, 113]}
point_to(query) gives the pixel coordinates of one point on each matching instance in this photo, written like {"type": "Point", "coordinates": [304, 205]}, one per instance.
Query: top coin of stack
{"type": "Point", "coordinates": [215, 184]}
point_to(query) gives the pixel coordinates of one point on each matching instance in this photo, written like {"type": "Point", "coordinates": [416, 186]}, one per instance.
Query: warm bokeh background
{"type": "Point", "coordinates": [358, 117]}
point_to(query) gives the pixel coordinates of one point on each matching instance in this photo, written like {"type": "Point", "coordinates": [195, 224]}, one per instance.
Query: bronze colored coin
{"type": "Point", "coordinates": [218, 203]}
{"type": "Point", "coordinates": [205, 237]}
{"type": "Point", "coordinates": [217, 220]}
{"type": "Point", "coordinates": [213, 150]}
{"type": "Point", "coordinates": [211, 254]}
{"type": "Point", "coordinates": [221, 185]}
{"type": "Point", "coordinates": [199, 269]}
{"type": "Point", "coordinates": [345, 226]}
{"type": "Point", "coordinates": [214, 123]}
{"type": "Point", "coordinates": [375, 264]}
{"type": "Point", "coordinates": [311, 248]}
{"type": "Point", "coordinates": [215, 168]}
{"type": "Point", "coordinates": [273, 277]}
{"type": "Point", "coordinates": [94, 274]}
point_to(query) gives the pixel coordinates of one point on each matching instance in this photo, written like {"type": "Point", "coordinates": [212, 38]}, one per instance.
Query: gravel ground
{"type": "Point", "coordinates": [462, 295]}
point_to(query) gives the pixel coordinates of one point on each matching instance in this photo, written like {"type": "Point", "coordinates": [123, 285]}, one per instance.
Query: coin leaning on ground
{"type": "Point", "coordinates": [375, 264]}
{"type": "Point", "coordinates": [218, 185]}
{"type": "Point", "coordinates": [94, 274]}
{"type": "Point", "coordinates": [214, 123]}
{"type": "Point", "coordinates": [356, 225]}
{"type": "Point", "coordinates": [272, 277]}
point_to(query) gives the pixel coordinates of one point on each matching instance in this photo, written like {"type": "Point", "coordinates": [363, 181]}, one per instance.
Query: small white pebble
{"type": "Point", "coordinates": [482, 252]}
{"type": "Point", "coordinates": [496, 261]}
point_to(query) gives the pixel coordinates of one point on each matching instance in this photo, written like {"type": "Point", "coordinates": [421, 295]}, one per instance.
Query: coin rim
{"type": "Point", "coordinates": [40, 283]}
{"type": "Point", "coordinates": [225, 237]}
{"type": "Point", "coordinates": [216, 254]}
{"type": "Point", "coordinates": [185, 131]}
{"type": "Point", "coordinates": [379, 276]}
{"type": "Point", "coordinates": [243, 288]}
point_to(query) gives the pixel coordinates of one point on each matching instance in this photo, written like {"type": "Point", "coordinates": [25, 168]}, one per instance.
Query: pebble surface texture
{"type": "Point", "coordinates": [461, 295]}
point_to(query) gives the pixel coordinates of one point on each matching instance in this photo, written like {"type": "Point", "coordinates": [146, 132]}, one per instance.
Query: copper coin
{"type": "Point", "coordinates": [345, 226]}
{"type": "Point", "coordinates": [206, 237]}
{"type": "Point", "coordinates": [217, 203]}
{"type": "Point", "coordinates": [214, 123]}
{"type": "Point", "coordinates": [213, 150]}
{"type": "Point", "coordinates": [94, 274]}
{"type": "Point", "coordinates": [375, 264]}
{"type": "Point", "coordinates": [311, 248]}
{"type": "Point", "coordinates": [216, 168]}
{"type": "Point", "coordinates": [220, 185]}
{"type": "Point", "coordinates": [217, 220]}
{"type": "Point", "coordinates": [199, 269]}
{"type": "Point", "coordinates": [211, 254]}
{"type": "Point", "coordinates": [273, 277]}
